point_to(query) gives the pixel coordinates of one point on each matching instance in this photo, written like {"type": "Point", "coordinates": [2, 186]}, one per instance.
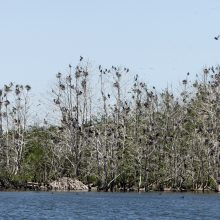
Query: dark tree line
{"type": "Point", "coordinates": [115, 139]}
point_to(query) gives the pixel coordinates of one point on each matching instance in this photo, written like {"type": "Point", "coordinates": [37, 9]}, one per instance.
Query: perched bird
{"type": "Point", "coordinates": [27, 87]}
{"type": "Point", "coordinates": [81, 58]}
{"type": "Point", "coordinates": [136, 77]}
{"type": "Point", "coordinates": [184, 81]}
{"type": "Point", "coordinates": [79, 93]}
{"type": "Point", "coordinates": [217, 37]}
{"type": "Point", "coordinates": [58, 75]}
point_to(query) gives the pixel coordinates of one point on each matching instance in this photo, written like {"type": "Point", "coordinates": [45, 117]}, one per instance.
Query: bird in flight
{"type": "Point", "coordinates": [217, 37]}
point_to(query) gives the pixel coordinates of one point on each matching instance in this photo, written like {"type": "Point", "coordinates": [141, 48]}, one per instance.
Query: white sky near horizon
{"type": "Point", "coordinates": [160, 40]}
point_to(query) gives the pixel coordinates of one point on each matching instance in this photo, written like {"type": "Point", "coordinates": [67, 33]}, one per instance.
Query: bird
{"type": "Point", "coordinates": [81, 58]}
{"type": "Point", "coordinates": [217, 37]}
{"type": "Point", "coordinates": [28, 87]}
{"type": "Point", "coordinates": [136, 77]}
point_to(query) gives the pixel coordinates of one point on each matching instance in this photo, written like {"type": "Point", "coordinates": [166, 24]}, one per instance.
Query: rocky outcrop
{"type": "Point", "coordinates": [65, 183]}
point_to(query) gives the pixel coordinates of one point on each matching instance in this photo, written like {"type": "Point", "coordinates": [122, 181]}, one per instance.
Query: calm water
{"type": "Point", "coordinates": [47, 205]}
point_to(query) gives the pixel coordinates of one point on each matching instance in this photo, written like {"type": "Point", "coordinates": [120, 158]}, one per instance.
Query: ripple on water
{"type": "Point", "coordinates": [69, 205]}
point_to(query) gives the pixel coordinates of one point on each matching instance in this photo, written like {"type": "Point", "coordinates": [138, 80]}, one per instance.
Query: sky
{"type": "Point", "coordinates": [161, 40]}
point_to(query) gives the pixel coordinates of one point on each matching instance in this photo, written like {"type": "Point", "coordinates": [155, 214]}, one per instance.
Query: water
{"type": "Point", "coordinates": [68, 205]}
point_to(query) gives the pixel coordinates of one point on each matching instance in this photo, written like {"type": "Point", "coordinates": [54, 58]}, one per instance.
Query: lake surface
{"type": "Point", "coordinates": [91, 205]}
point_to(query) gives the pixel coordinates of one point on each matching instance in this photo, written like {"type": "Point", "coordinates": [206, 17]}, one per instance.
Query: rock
{"type": "Point", "coordinates": [66, 183]}
{"type": "Point", "coordinates": [167, 189]}
{"type": "Point", "coordinates": [43, 188]}
{"type": "Point", "coordinates": [32, 186]}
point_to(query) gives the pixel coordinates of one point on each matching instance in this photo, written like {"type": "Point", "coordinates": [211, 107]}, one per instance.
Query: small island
{"type": "Point", "coordinates": [114, 137]}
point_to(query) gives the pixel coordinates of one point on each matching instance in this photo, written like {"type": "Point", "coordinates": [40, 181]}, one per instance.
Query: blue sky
{"type": "Point", "coordinates": [160, 40]}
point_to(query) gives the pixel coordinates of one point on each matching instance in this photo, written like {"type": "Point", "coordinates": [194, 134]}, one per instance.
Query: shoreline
{"type": "Point", "coordinates": [98, 191]}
